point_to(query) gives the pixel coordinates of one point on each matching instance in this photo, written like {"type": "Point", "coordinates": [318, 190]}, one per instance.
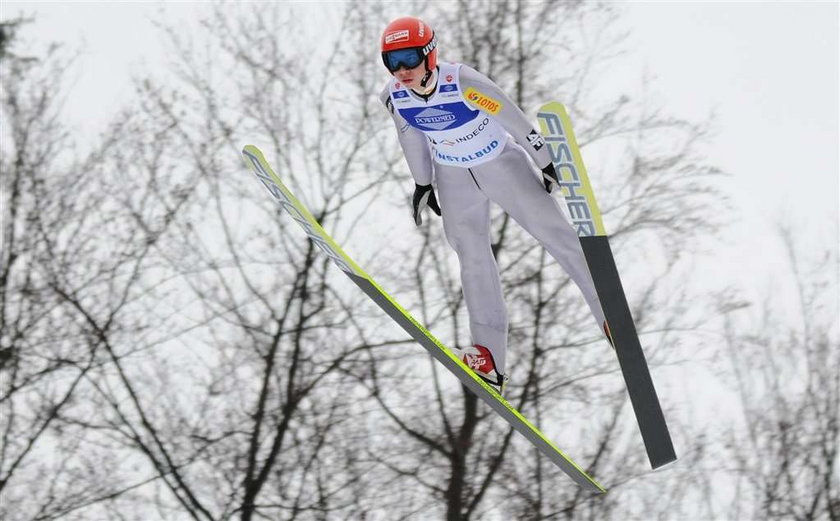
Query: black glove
{"type": "Point", "coordinates": [550, 177]}
{"type": "Point", "coordinates": [423, 195]}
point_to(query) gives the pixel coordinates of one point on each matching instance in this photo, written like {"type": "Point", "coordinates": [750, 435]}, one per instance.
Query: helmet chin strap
{"type": "Point", "coordinates": [426, 79]}
{"type": "Point", "coordinates": [430, 74]}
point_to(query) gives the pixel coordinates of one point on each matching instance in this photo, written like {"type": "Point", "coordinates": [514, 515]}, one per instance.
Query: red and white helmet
{"type": "Point", "coordinates": [408, 42]}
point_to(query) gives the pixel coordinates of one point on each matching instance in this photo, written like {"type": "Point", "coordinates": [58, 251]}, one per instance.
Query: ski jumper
{"type": "Point", "coordinates": [474, 142]}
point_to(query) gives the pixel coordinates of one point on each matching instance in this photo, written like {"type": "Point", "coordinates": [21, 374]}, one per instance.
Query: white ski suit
{"type": "Point", "coordinates": [471, 139]}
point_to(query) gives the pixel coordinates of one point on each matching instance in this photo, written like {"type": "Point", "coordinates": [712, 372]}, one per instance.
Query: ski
{"type": "Point", "coordinates": [301, 215]}
{"type": "Point", "coordinates": [586, 218]}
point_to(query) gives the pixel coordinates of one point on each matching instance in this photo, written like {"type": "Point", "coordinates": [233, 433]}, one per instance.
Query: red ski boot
{"type": "Point", "coordinates": [480, 360]}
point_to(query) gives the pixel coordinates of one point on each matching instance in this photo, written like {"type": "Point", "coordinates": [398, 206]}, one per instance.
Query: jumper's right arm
{"type": "Point", "coordinates": [414, 144]}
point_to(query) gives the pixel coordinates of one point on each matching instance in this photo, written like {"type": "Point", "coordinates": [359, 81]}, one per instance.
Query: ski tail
{"type": "Point", "coordinates": [586, 219]}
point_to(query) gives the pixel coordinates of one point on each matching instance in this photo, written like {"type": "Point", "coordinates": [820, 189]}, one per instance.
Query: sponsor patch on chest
{"type": "Point", "coordinates": [438, 117]}
{"type": "Point", "coordinates": [483, 101]}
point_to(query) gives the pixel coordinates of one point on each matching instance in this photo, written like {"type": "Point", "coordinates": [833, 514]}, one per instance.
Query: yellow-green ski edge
{"type": "Point", "coordinates": [255, 159]}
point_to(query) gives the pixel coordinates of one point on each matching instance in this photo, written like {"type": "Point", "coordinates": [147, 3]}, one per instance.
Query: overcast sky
{"type": "Point", "coordinates": [769, 70]}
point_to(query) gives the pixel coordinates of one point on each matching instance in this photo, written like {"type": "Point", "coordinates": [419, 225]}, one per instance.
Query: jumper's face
{"type": "Point", "coordinates": [411, 78]}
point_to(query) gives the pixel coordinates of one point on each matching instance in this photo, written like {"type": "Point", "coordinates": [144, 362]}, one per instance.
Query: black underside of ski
{"type": "Point", "coordinates": [628, 349]}
{"type": "Point", "coordinates": [586, 218]}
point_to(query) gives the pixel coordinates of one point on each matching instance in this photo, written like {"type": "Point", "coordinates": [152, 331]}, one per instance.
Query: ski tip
{"type": "Point", "coordinates": [251, 153]}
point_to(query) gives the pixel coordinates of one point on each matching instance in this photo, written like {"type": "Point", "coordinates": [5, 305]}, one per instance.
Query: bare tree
{"type": "Point", "coordinates": [249, 345]}
{"type": "Point", "coordinates": [226, 370]}
{"type": "Point", "coordinates": [41, 370]}
{"type": "Point", "coordinates": [785, 371]}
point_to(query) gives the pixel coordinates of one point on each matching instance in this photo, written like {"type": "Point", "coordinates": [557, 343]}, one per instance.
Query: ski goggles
{"type": "Point", "coordinates": [408, 58]}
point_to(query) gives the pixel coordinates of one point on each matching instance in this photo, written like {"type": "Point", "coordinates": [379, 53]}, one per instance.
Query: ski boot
{"type": "Point", "coordinates": [480, 360]}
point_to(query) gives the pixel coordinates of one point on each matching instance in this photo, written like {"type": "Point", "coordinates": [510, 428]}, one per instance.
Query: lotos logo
{"type": "Point", "coordinates": [483, 101]}
{"type": "Point", "coordinates": [397, 36]}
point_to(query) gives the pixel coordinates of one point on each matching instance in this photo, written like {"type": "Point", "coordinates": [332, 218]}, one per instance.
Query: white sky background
{"type": "Point", "coordinates": [770, 73]}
